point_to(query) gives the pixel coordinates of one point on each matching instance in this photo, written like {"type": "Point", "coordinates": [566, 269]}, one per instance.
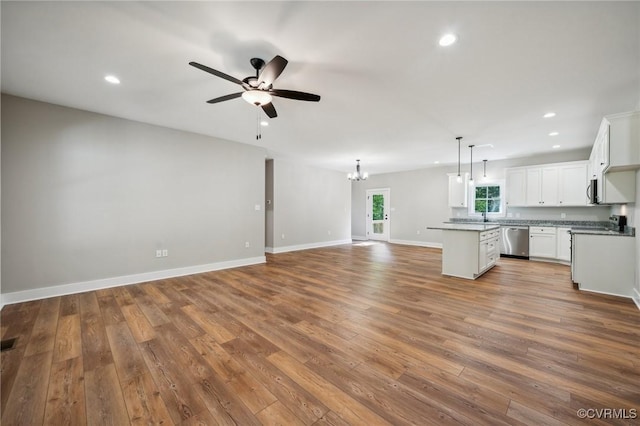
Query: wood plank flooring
{"type": "Point", "coordinates": [369, 333]}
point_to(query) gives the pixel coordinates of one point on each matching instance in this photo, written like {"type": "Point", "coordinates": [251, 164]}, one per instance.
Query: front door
{"type": "Point", "coordinates": [378, 214]}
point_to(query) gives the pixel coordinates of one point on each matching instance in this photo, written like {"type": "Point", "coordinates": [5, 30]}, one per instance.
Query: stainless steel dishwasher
{"type": "Point", "coordinates": [514, 241]}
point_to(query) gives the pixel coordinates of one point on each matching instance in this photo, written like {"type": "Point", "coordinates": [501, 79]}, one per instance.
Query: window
{"type": "Point", "coordinates": [487, 198]}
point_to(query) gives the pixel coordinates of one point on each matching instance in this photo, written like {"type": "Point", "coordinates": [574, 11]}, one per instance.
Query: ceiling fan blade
{"type": "Point", "coordinates": [224, 98]}
{"type": "Point", "coordinates": [216, 73]}
{"type": "Point", "coordinates": [270, 110]}
{"type": "Point", "coordinates": [272, 70]}
{"type": "Point", "coordinates": [293, 94]}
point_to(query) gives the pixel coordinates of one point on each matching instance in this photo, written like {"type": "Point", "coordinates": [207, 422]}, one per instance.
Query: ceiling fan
{"type": "Point", "coordinates": [259, 90]}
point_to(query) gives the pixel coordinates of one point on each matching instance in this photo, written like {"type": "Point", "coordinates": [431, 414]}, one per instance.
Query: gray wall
{"type": "Point", "coordinates": [419, 198]}
{"type": "Point", "coordinates": [635, 215]}
{"type": "Point", "coordinates": [311, 206]}
{"type": "Point", "coordinates": [87, 197]}
{"type": "Point", "coordinates": [268, 240]}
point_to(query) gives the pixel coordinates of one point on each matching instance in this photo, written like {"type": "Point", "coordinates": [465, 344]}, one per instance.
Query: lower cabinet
{"type": "Point", "coordinates": [604, 264]}
{"type": "Point", "coordinates": [469, 254]}
{"type": "Point", "coordinates": [563, 244]}
{"type": "Point", "coordinates": [542, 242]}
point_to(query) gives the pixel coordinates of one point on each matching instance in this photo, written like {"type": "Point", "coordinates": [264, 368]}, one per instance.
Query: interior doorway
{"type": "Point", "coordinates": [378, 222]}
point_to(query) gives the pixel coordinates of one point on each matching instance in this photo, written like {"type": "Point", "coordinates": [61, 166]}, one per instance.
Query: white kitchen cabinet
{"type": "Point", "coordinates": [604, 263]}
{"type": "Point", "coordinates": [469, 254]}
{"type": "Point", "coordinates": [548, 185]}
{"type": "Point", "coordinates": [615, 157]}
{"type": "Point", "coordinates": [542, 186]}
{"type": "Point", "coordinates": [542, 242]}
{"type": "Point", "coordinates": [572, 184]}
{"type": "Point", "coordinates": [563, 243]}
{"type": "Point", "coordinates": [516, 187]}
{"type": "Point", "coordinates": [620, 142]}
{"type": "Point", "coordinates": [458, 191]}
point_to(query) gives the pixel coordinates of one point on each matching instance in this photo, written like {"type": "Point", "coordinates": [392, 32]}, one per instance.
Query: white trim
{"type": "Point", "coordinates": [636, 297]}
{"type": "Point", "coordinates": [604, 292]}
{"type": "Point", "coordinates": [416, 243]}
{"type": "Point", "coordinates": [307, 246]}
{"type": "Point", "coordinates": [80, 287]}
{"type": "Point", "coordinates": [359, 238]}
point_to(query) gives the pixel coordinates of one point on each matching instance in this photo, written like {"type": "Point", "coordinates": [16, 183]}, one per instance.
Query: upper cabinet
{"type": "Point", "coordinates": [615, 157]}
{"type": "Point", "coordinates": [620, 145]}
{"type": "Point", "coordinates": [547, 185]}
{"type": "Point", "coordinates": [516, 180]}
{"type": "Point", "coordinates": [458, 191]}
{"type": "Point", "coordinates": [572, 181]}
{"type": "Point", "coordinates": [542, 186]}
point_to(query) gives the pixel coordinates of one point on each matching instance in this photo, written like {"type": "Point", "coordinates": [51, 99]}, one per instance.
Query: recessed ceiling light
{"type": "Point", "coordinates": [112, 79]}
{"type": "Point", "coordinates": [264, 123]}
{"type": "Point", "coordinates": [555, 146]}
{"type": "Point", "coordinates": [436, 162]}
{"type": "Point", "coordinates": [554, 134]}
{"type": "Point", "coordinates": [549, 115]}
{"type": "Point", "coordinates": [447, 40]}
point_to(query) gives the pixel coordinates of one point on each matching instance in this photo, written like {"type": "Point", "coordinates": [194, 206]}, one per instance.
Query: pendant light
{"type": "Point", "coordinates": [484, 169]}
{"type": "Point", "coordinates": [471, 166]}
{"type": "Point", "coordinates": [459, 178]}
{"type": "Point", "coordinates": [358, 175]}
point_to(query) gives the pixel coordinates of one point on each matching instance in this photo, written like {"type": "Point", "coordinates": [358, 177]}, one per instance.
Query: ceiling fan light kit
{"type": "Point", "coordinates": [257, 97]}
{"type": "Point", "coordinates": [259, 90]}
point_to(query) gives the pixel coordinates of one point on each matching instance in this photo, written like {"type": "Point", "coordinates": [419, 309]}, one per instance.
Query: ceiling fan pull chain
{"type": "Point", "coordinates": [258, 129]}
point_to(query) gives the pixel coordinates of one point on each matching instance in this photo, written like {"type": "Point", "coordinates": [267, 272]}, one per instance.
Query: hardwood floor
{"type": "Point", "coordinates": [369, 333]}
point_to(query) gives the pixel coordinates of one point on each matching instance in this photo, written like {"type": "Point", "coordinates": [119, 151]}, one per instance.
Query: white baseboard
{"type": "Point", "coordinates": [81, 287]}
{"type": "Point", "coordinates": [604, 292]}
{"type": "Point", "coordinates": [306, 246]}
{"type": "Point", "coordinates": [636, 297]}
{"type": "Point", "coordinates": [359, 238]}
{"type": "Point", "coordinates": [417, 243]}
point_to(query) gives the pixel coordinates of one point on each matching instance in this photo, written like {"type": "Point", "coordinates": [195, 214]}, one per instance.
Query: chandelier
{"type": "Point", "coordinates": [358, 175]}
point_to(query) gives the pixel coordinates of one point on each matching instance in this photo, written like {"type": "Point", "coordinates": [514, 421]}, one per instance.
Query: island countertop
{"type": "Point", "coordinates": [465, 227]}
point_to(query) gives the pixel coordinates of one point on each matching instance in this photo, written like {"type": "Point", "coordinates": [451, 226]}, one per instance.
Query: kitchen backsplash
{"type": "Point", "coordinates": [591, 213]}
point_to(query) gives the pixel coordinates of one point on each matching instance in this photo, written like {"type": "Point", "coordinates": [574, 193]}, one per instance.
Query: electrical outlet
{"type": "Point", "coordinates": [257, 207]}
{"type": "Point", "coordinates": [165, 253]}
{"type": "Point", "coordinates": [418, 232]}
{"type": "Point", "coordinates": [563, 215]}
{"type": "Point", "coordinates": [247, 245]}
{"type": "Point", "coordinates": [158, 253]}
{"type": "Point", "coordinates": [328, 232]}
{"type": "Point", "coordinates": [282, 237]}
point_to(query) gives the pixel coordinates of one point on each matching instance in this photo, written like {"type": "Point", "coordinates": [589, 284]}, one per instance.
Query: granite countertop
{"type": "Point", "coordinates": [536, 222]}
{"type": "Point", "coordinates": [577, 226]}
{"type": "Point", "coordinates": [629, 232]}
{"type": "Point", "coordinates": [480, 227]}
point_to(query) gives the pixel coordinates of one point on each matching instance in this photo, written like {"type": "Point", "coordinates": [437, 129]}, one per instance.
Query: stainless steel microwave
{"type": "Point", "coordinates": [592, 191]}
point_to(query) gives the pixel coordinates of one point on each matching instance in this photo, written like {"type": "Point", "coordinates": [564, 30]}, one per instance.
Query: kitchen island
{"type": "Point", "coordinates": [468, 250]}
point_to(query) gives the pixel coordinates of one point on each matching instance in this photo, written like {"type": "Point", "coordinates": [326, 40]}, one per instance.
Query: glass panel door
{"type": "Point", "coordinates": [378, 214]}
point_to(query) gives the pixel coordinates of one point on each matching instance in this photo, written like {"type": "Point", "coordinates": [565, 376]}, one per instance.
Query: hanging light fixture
{"type": "Point", "coordinates": [358, 175]}
{"type": "Point", "coordinates": [471, 165]}
{"type": "Point", "coordinates": [459, 178]}
{"type": "Point", "coordinates": [256, 97]}
{"type": "Point", "coordinates": [484, 169]}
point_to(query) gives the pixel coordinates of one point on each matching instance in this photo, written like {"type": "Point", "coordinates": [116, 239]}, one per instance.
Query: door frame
{"type": "Point", "coordinates": [368, 219]}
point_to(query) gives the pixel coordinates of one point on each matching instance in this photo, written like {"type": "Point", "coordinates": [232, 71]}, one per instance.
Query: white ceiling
{"type": "Point", "coordinates": [391, 95]}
